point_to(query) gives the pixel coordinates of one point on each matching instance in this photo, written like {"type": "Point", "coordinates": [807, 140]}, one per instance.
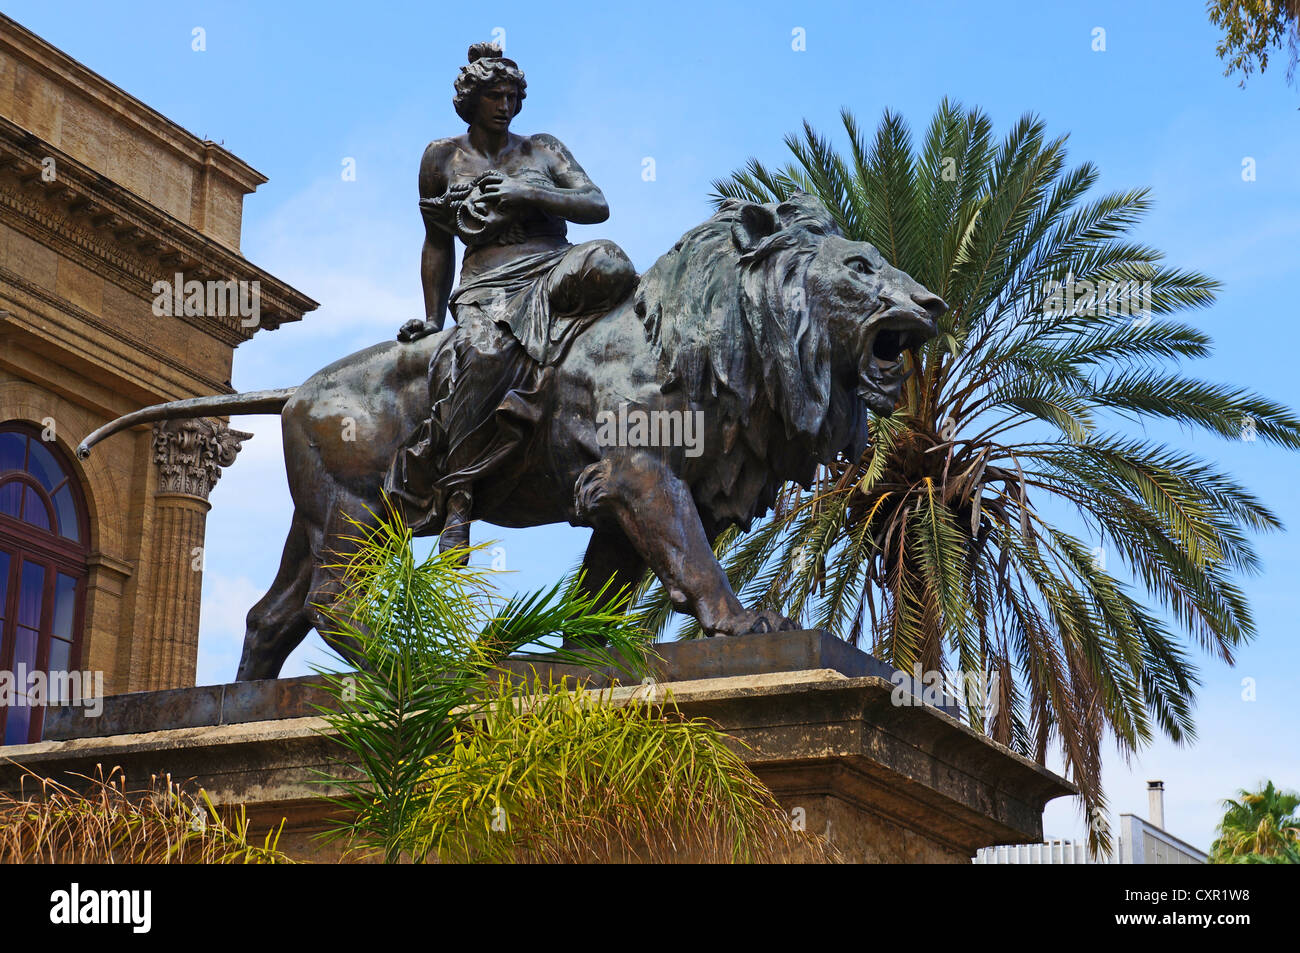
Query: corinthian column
{"type": "Point", "coordinates": [189, 455]}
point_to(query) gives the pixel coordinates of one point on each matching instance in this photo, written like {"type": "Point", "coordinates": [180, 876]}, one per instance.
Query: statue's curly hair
{"type": "Point", "coordinates": [486, 66]}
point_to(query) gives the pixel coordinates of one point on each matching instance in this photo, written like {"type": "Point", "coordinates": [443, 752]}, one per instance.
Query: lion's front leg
{"type": "Point", "coordinates": [654, 509]}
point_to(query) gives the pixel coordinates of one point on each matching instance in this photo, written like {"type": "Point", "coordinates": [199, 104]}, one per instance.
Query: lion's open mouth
{"type": "Point", "coordinates": [890, 343]}
{"type": "Point", "coordinates": [881, 372]}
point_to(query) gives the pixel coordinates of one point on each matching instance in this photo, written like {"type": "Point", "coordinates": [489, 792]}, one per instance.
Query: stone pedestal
{"type": "Point", "coordinates": [885, 782]}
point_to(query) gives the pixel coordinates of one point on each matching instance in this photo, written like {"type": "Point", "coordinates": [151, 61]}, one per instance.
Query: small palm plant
{"type": "Point", "coordinates": [551, 775]}
{"type": "Point", "coordinates": [1262, 827]}
{"type": "Point", "coordinates": [447, 760]}
{"type": "Point", "coordinates": [944, 542]}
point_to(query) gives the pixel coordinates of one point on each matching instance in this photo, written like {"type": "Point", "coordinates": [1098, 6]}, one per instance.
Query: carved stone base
{"type": "Point", "coordinates": [886, 783]}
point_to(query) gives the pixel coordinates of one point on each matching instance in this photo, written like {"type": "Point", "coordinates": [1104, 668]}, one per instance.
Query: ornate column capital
{"type": "Point", "coordinates": [190, 454]}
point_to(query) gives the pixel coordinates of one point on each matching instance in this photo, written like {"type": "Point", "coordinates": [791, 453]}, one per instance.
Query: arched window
{"type": "Point", "coordinates": [43, 549]}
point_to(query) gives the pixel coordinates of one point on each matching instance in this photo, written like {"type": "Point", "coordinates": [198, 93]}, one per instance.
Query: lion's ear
{"type": "Point", "coordinates": [753, 224]}
{"type": "Point", "coordinates": [802, 210]}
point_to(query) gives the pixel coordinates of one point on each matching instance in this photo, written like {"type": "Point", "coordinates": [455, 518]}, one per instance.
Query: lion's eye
{"type": "Point", "coordinates": [861, 266]}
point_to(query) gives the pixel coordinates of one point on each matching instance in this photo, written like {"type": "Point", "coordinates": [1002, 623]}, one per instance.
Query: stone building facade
{"type": "Point", "coordinates": [101, 199]}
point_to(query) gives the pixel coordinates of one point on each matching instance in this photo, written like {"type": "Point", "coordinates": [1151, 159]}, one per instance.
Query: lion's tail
{"type": "Point", "coordinates": [254, 402]}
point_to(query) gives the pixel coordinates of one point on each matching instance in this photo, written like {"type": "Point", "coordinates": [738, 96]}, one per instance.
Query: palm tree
{"type": "Point", "coordinates": [1262, 827]}
{"type": "Point", "coordinates": [946, 541]}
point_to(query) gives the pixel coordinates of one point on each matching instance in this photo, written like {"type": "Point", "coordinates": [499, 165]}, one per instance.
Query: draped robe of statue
{"type": "Point", "coordinates": [489, 380]}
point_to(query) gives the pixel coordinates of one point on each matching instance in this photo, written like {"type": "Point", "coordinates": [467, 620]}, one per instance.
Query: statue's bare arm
{"type": "Point", "coordinates": [437, 256]}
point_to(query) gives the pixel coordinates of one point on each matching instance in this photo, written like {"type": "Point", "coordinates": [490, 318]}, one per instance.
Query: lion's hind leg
{"type": "Point", "coordinates": [351, 520]}
{"type": "Point", "coordinates": [279, 621]}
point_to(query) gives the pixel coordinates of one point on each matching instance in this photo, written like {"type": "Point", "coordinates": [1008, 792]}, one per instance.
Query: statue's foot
{"type": "Point", "coordinates": [455, 532]}
{"type": "Point", "coordinates": [749, 622]}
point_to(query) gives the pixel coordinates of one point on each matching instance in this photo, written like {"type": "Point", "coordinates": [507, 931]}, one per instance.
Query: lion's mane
{"type": "Point", "coordinates": [725, 312]}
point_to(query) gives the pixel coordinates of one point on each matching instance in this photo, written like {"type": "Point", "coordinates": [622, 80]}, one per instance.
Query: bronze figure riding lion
{"type": "Point", "coordinates": [763, 329]}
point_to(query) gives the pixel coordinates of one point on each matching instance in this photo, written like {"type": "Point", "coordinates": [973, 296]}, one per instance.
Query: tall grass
{"type": "Point", "coordinates": [108, 823]}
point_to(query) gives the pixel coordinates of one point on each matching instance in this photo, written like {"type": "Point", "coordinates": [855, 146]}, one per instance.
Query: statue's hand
{"type": "Point", "coordinates": [507, 193]}
{"type": "Point", "coordinates": [415, 329]}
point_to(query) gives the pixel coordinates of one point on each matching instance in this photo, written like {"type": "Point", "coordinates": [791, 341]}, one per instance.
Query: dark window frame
{"type": "Point", "coordinates": [24, 542]}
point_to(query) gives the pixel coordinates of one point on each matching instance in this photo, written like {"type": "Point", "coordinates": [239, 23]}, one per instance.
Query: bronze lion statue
{"type": "Point", "coordinates": [747, 355]}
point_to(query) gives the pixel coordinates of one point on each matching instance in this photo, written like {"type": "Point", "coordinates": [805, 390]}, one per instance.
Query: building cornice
{"type": "Point", "coordinates": [101, 224]}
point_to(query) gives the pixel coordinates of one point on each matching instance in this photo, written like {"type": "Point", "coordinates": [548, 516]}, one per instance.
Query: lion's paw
{"type": "Point", "coordinates": [755, 623]}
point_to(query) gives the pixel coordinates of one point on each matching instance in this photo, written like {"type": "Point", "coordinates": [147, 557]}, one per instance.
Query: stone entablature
{"type": "Point", "coordinates": [104, 226]}
{"type": "Point", "coordinates": [883, 783]}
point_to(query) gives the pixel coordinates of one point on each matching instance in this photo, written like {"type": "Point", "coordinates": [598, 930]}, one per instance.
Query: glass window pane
{"type": "Point", "coordinates": [60, 655]}
{"type": "Point", "coordinates": [66, 508]}
{"type": "Point", "coordinates": [30, 594]}
{"type": "Point", "coordinates": [18, 724]}
{"type": "Point", "coordinates": [4, 587]}
{"type": "Point", "coordinates": [25, 641]}
{"type": "Point", "coordinates": [11, 496]}
{"type": "Point", "coordinates": [34, 510]}
{"type": "Point", "coordinates": [4, 598]}
{"type": "Point", "coordinates": [42, 465]}
{"type": "Point", "coordinates": [13, 446]}
{"type": "Point", "coordinates": [65, 601]}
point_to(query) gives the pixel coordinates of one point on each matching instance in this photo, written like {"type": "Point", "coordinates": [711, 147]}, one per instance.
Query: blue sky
{"type": "Point", "coordinates": [295, 89]}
